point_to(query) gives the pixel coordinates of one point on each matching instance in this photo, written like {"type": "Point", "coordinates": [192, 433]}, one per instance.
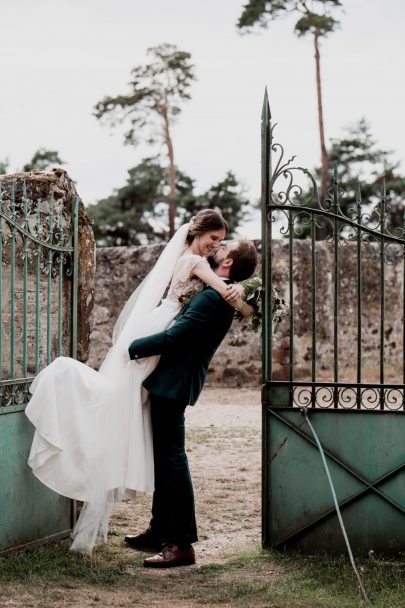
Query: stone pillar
{"type": "Point", "coordinates": [30, 211]}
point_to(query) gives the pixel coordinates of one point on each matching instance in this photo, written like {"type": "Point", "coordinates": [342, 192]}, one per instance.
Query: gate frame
{"type": "Point", "coordinates": [279, 398]}
{"type": "Point", "coordinates": [62, 249]}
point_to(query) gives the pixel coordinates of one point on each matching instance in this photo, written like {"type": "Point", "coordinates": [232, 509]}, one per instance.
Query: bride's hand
{"type": "Point", "coordinates": [233, 293]}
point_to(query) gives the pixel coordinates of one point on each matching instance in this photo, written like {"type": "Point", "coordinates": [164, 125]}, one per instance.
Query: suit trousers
{"type": "Point", "coordinates": [173, 512]}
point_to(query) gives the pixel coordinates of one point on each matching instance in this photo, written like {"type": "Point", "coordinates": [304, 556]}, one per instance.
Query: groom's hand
{"type": "Point", "coordinates": [233, 293]}
{"type": "Point", "coordinates": [132, 350]}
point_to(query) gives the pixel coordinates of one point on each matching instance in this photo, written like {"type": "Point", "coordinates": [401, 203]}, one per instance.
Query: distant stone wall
{"type": "Point", "coordinates": [347, 313]}
{"type": "Point", "coordinates": [238, 360]}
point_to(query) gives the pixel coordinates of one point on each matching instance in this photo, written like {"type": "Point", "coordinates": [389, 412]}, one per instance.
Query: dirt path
{"type": "Point", "coordinates": [225, 458]}
{"type": "Point", "coordinates": [223, 445]}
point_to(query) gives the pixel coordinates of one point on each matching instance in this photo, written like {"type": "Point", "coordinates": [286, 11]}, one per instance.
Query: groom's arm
{"type": "Point", "coordinates": [201, 316]}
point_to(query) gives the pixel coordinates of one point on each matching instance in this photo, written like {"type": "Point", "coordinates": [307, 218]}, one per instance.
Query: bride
{"type": "Point", "coordinates": [93, 437]}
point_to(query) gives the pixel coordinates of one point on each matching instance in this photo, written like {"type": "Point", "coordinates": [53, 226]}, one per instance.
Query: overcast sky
{"type": "Point", "coordinates": [59, 57]}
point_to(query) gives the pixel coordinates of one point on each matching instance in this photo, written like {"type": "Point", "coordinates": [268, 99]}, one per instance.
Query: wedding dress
{"type": "Point", "coordinates": [93, 437]}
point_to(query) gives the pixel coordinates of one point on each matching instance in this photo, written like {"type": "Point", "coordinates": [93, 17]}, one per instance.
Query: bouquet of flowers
{"type": "Point", "coordinates": [253, 294]}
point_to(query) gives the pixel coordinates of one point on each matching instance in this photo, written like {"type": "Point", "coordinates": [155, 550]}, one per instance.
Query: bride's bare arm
{"type": "Point", "coordinates": [230, 293]}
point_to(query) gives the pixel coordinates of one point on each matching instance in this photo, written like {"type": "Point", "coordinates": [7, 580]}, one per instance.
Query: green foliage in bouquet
{"type": "Point", "coordinates": [253, 293]}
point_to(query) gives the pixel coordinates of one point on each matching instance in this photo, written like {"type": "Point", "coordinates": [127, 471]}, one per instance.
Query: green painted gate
{"type": "Point", "coordinates": [38, 302]}
{"type": "Point", "coordinates": [352, 389]}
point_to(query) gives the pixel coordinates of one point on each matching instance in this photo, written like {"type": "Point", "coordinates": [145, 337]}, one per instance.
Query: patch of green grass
{"type": "Point", "coordinates": [259, 579]}
{"type": "Point", "coordinates": [56, 563]}
{"type": "Point", "coordinates": [323, 581]}
{"type": "Point", "coordinates": [220, 435]}
{"type": "Point", "coordinates": [263, 579]}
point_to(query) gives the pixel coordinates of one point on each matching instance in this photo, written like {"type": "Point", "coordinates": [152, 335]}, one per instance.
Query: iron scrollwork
{"type": "Point", "coordinates": [350, 396]}
{"type": "Point", "coordinates": [370, 225]}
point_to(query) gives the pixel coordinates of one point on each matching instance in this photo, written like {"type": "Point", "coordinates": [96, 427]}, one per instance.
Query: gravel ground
{"type": "Point", "coordinates": [224, 449]}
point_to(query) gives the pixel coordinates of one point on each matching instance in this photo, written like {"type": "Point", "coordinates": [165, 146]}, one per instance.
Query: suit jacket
{"type": "Point", "coordinates": [186, 348]}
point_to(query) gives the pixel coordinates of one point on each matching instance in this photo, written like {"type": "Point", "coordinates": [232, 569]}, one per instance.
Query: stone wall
{"type": "Point", "coordinates": [238, 360]}
{"type": "Point", "coordinates": [347, 312]}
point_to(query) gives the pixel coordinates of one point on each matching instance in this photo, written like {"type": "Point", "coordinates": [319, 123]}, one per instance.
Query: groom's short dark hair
{"type": "Point", "coordinates": [244, 258]}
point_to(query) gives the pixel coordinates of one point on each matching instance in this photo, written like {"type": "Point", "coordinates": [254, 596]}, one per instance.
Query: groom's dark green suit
{"type": "Point", "coordinates": [186, 350]}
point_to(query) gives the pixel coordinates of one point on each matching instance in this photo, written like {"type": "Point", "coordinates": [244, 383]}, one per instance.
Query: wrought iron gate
{"type": "Point", "coordinates": [354, 399]}
{"type": "Point", "coordinates": [38, 302]}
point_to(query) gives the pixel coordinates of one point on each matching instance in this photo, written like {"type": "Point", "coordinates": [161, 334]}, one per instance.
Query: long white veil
{"type": "Point", "coordinates": [150, 292]}
{"type": "Point", "coordinates": [110, 440]}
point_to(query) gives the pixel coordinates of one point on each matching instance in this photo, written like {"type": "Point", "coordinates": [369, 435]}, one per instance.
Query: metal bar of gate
{"type": "Point", "coordinates": [37, 292]}
{"type": "Point", "coordinates": [60, 287]}
{"type": "Point", "coordinates": [382, 291]}
{"type": "Point", "coordinates": [313, 308]}
{"type": "Point", "coordinates": [266, 243]}
{"type": "Point", "coordinates": [266, 238]}
{"type": "Point", "coordinates": [336, 290]}
{"type": "Point", "coordinates": [75, 243]}
{"type": "Point", "coordinates": [1, 295]}
{"type": "Point", "coordinates": [403, 319]}
{"type": "Point", "coordinates": [291, 291]}
{"type": "Point", "coordinates": [49, 286]}
{"type": "Point", "coordinates": [359, 297]}
{"type": "Point", "coordinates": [12, 292]}
{"type": "Point", "coordinates": [25, 289]}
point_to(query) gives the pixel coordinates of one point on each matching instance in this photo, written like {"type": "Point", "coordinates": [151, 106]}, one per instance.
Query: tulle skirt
{"type": "Point", "coordinates": [93, 437]}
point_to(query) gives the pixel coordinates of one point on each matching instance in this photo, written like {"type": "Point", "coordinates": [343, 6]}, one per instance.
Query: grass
{"type": "Point", "coordinates": [259, 579]}
{"type": "Point", "coordinates": [219, 436]}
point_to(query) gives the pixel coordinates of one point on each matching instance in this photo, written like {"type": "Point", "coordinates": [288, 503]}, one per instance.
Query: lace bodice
{"type": "Point", "coordinates": [182, 287]}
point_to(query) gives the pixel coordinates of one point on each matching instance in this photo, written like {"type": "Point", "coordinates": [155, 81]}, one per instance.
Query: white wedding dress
{"type": "Point", "coordinates": [93, 437]}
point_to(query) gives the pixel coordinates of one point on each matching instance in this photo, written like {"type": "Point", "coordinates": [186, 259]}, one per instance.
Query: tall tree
{"type": "Point", "coordinates": [359, 161]}
{"type": "Point", "coordinates": [157, 89]}
{"type": "Point", "coordinates": [42, 159]}
{"type": "Point", "coordinates": [4, 166]}
{"type": "Point", "coordinates": [227, 196]}
{"type": "Point", "coordinates": [316, 23]}
{"type": "Point", "coordinates": [134, 214]}
{"type": "Point", "coordinates": [129, 215]}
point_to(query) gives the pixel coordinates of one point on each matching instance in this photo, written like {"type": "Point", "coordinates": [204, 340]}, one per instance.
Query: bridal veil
{"type": "Point", "coordinates": [93, 439]}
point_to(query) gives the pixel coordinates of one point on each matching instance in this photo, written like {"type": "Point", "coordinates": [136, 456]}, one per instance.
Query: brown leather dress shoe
{"type": "Point", "coordinates": [146, 541]}
{"type": "Point", "coordinates": [170, 557]}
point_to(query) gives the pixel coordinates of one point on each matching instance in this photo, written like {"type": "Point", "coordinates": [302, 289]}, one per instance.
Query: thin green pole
{"type": "Point", "coordinates": [12, 292]}
{"type": "Point", "coordinates": [313, 309]}
{"type": "Point", "coordinates": [37, 291]}
{"type": "Point", "coordinates": [359, 298]}
{"type": "Point", "coordinates": [291, 292]}
{"type": "Point", "coordinates": [266, 250]}
{"type": "Point", "coordinates": [60, 287]}
{"type": "Point", "coordinates": [336, 292]}
{"type": "Point", "coordinates": [269, 267]}
{"type": "Point", "coordinates": [403, 321]}
{"type": "Point", "coordinates": [75, 242]}
{"type": "Point", "coordinates": [49, 289]}
{"type": "Point", "coordinates": [25, 288]}
{"type": "Point", "coordinates": [267, 299]}
{"type": "Point", "coordinates": [1, 296]}
{"type": "Point", "coordinates": [382, 291]}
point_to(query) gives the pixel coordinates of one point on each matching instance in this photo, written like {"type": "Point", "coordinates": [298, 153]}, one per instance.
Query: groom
{"type": "Point", "coordinates": [186, 350]}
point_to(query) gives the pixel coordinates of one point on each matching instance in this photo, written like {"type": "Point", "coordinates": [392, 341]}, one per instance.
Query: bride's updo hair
{"type": "Point", "coordinates": [204, 221]}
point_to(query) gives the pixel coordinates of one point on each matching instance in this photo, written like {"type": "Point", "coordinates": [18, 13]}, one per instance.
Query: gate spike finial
{"type": "Point", "coordinates": [383, 190]}
{"type": "Point", "coordinates": [266, 112]}
{"type": "Point", "coordinates": [358, 202]}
